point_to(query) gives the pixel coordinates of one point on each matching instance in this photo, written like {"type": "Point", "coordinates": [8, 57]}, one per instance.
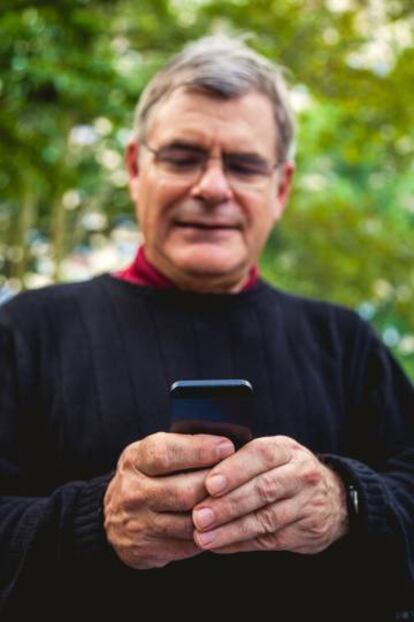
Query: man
{"type": "Point", "coordinates": [103, 507]}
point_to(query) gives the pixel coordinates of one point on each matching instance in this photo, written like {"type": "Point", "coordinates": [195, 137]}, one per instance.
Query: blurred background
{"type": "Point", "coordinates": [70, 74]}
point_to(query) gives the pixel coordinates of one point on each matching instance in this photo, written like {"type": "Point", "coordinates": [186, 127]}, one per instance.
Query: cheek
{"type": "Point", "coordinates": [161, 196]}
{"type": "Point", "coordinates": [154, 199]}
{"type": "Point", "coordinates": [260, 215]}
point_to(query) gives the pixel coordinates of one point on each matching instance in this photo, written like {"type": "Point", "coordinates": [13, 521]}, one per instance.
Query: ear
{"type": "Point", "coordinates": [284, 185]}
{"type": "Point", "coordinates": [132, 166]}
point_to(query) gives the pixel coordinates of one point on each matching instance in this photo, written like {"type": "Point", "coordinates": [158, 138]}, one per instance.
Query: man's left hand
{"type": "Point", "coordinates": [274, 495]}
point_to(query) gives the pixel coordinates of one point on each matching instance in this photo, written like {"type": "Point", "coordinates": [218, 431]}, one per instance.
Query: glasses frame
{"type": "Point", "coordinates": [203, 166]}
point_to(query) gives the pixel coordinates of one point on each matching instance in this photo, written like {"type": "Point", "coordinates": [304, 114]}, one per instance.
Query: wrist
{"type": "Point", "coordinates": [339, 504]}
{"type": "Point", "coordinates": [349, 495]}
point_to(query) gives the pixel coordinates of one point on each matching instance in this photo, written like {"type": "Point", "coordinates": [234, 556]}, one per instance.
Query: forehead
{"type": "Point", "coordinates": [245, 122]}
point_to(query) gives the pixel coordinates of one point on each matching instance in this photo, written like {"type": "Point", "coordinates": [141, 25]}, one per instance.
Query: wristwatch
{"type": "Point", "coordinates": [352, 502]}
{"type": "Point", "coordinates": [351, 491]}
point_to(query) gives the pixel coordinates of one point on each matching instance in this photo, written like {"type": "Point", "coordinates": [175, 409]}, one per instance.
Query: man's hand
{"type": "Point", "coordinates": [148, 502]}
{"type": "Point", "coordinates": [273, 495]}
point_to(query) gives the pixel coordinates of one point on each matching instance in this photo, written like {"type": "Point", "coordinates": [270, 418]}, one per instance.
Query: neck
{"type": "Point", "coordinates": [212, 283]}
{"type": "Point", "coordinates": [203, 281]}
{"type": "Point", "coordinates": [145, 271]}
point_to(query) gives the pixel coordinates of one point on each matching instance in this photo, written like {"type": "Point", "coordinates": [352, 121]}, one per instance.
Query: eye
{"type": "Point", "coordinates": [181, 159]}
{"type": "Point", "coordinates": [246, 168]}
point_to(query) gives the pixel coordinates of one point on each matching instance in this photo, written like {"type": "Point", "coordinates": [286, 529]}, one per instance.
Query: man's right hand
{"type": "Point", "coordinates": [148, 503]}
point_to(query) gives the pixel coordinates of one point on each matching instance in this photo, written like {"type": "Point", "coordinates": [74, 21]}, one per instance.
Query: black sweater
{"type": "Point", "coordinates": [85, 370]}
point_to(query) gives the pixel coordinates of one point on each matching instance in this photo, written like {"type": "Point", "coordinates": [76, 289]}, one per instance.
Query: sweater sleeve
{"type": "Point", "coordinates": [381, 466]}
{"type": "Point", "coordinates": [38, 534]}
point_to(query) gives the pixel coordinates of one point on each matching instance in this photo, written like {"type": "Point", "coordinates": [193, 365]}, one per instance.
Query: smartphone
{"type": "Point", "coordinates": [221, 407]}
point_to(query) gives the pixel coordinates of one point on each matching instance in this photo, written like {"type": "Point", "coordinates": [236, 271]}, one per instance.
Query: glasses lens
{"type": "Point", "coordinates": [246, 169]}
{"type": "Point", "coordinates": [181, 161]}
{"type": "Point", "coordinates": [187, 163]}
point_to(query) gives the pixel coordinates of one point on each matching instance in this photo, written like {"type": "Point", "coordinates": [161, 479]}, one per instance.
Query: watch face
{"type": "Point", "coordinates": [353, 499]}
{"type": "Point", "coordinates": [351, 491]}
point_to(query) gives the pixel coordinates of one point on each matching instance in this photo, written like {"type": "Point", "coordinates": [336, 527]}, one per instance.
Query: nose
{"type": "Point", "coordinates": [212, 185]}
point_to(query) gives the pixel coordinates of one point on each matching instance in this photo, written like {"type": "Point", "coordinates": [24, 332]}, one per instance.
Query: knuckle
{"type": "Point", "coordinates": [286, 445]}
{"type": "Point", "coordinates": [274, 449]}
{"type": "Point", "coordinates": [266, 519]}
{"type": "Point", "coordinates": [158, 525]}
{"type": "Point", "coordinates": [131, 496]}
{"type": "Point", "coordinates": [311, 475]}
{"type": "Point", "coordinates": [156, 453]}
{"type": "Point", "coordinates": [205, 453]}
{"type": "Point", "coordinates": [284, 540]}
{"type": "Point", "coordinates": [139, 551]}
{"type": "Point", "coordinates": [267, 487]}
{"type": "Point", "coordinates": [267, 542]}
{"type": "Point", "coordinates": [280, 541]}
{"type": "Point", "coordinates": [320, 501]}
{"type": "Point", "coordinates": [317, 528]}
{"type": "Point", "coordinates": [284, 441]}
{"type": "Point", "coordinates": [129, 501]}
{"type": "Point", "coordinates": [245, 528]}
{"type": "Point", "coordinates": [265, 450]}
{"type": "Point", "coordinates": [127, 459]}
{"type": "Point", "coordinates": [185, 497]}
{"type": "Point", "coordinates": [157, 437]}
{"type": "Point", "coordinates": [229, 507]}
{"type": "Point", "coordinates": [282, 517]}
{"type": "Point", "coordinates": [125, 463]}
{"type": "Point", "coordinates": [135, 528]}
{"type": "Point", "coordinates": [144, 558]}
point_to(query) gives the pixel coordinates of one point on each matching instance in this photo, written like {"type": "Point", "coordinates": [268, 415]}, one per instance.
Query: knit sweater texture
{"type": "Point", "coordinates": [85, 370]}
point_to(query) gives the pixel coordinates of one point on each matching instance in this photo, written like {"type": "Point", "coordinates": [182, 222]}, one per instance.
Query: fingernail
{"type": "Point", "coordinates": [217, 483]}
{"type": "Point", "coordinates": [224, 449]}
{"type": "Point", "coordinates": [206, 538]}
{"type": "Point", "coordinates": [203, 517]}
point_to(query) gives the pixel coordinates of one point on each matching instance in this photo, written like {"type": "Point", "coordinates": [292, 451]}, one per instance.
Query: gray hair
{"type": "Point", "coordinates": [225, 68]}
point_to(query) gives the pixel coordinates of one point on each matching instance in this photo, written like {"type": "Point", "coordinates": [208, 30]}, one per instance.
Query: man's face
{"type": "Point", "coordinates": [205, 232]}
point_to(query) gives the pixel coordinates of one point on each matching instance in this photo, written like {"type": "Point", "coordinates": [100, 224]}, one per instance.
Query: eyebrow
{"type": "Point", "coordinates": [188, 145]}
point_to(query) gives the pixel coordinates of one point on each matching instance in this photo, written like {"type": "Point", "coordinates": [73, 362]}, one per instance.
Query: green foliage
{"type": "Point", "coordinates": [71, 72]}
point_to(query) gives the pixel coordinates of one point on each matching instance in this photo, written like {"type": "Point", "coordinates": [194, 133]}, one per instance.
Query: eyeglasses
{"type": "Point", "coordinates": [185, 163]}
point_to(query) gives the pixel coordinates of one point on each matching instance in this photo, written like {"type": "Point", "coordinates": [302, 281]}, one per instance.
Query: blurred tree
{"type": "Point", "coordinates": [70, 77]}
{"type": "Point", "coordinates": [70, 74]}
{"type": "Point", "coordinates": [348, 233]}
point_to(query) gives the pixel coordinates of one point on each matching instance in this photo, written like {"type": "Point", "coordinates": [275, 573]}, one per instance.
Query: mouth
{"type": "Point", "coordinates": [207, 226]}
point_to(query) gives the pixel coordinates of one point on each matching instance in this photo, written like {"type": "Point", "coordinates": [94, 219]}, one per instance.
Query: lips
{"type": "Point", "coordinates": [207, 226]}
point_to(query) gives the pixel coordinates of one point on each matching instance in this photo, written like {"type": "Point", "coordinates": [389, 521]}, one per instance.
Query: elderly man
{"type": "Point", "coordinates": [102, 506]}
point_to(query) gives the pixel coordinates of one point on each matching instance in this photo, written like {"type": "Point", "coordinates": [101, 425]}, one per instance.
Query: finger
{"type": "Point", "coordinates": [171, 526]}
{"type": "Point", "coordinates": [179, 549]}
{"type": "Point", "coordinates": [174, 493]}
{"type": "Point", "coordinates": [257, 525]}
{"type": "Point", "coordinates": [240, 547]}
{"type": "Point", "coordinates": [265, 489]}
{"type": "Point", "coordinates": [158, 555]}
{"type": "Point", "coordinates": [258, 456]}
{"type": "Point", "coordinates": [165, 452]}
{"type": "Point", "coordinates": [272, 542]}
{"type": "Point", "coordinates": [156, 526]}
{"type": "Point", "coordinates": [173, 549]}
{"type": "Point", "coordinates": [288, 539]}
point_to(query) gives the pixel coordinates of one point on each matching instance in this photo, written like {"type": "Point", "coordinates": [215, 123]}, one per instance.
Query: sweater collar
{"type": "Point", "coordinates": [142, 272]}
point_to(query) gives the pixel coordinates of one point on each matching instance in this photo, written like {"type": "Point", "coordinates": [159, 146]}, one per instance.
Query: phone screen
{"type": "Point", "coordinates": [221, 407]}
